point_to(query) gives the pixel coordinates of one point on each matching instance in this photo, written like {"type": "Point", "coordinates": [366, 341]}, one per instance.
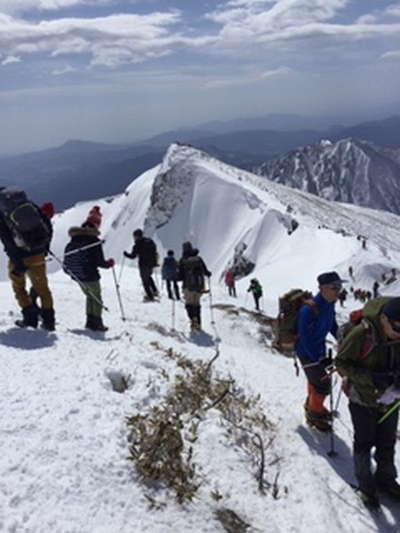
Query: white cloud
{"type": "Point", "coordinates": [64, 70]}
{"type": "Point", "coordinates": [20, 6]}
{"type": "Point", "coordinates": [393, 54]}
{"type": "Point", "coordinates": [267, 21]}
{"type": "Point", "coordinates": [367, 19]}
{"type": "Point", "coordinates": [109, 41]}
{"type": "Point", "coordinates": [246, 78]}
{"type": "Point", "coordinates": [11, 59]}
{"type": "Point", "coordinates": [393, 10]}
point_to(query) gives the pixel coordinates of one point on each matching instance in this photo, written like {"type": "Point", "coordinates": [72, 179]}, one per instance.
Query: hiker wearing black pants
{"type": "Point", "coordinates": [369, 360]}
{"type": "Point", "coordinates": [145, 249]}
{"type": "Point", "coordinates": [170, 274]}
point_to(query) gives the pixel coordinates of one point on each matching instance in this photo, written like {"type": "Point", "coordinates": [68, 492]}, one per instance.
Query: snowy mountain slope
{"type": "Point", "coordinates": [349, 170]}
{"type": "Point", "coordinates": [64, 440]}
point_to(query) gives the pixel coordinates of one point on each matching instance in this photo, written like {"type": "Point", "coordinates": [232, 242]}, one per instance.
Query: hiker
{"type": "Point", "coordinates": [351, 273]}
{"type": "Point", "coordinates": [146, 250]}
{"type": "Point", "coordinates": [375, 288]}
{"type": "Point", "coordinates": [192, 271]}
{"type": "Point", "coordinates": [364, 244]}
{"type": "Point", "coordinates": [230, 282]}
{"type": "Point", "coordinates": [169, 273]}
{"type": "Point", "coordinates": [26, 233]}
{"type": "Point", "coordinates": [256, 289]}
{"type": "Point", "coordinates": [83, 256]}
{"type": "Point", "coordinates": [315, 320]}
{"type": "Point", "coordinates": [342, 297]}
{"type": "Point", "coordinates": [48, 210]}
{"type": "Point", "coordinates": [371, 366]}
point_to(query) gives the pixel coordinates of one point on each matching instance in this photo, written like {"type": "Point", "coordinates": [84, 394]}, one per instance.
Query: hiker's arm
{"type": "Point", "coordinates": [305, 327]}
{"type": "Point", "coordinates": [13, 252]}
{"type": "Point", "coordinates": [133, 253]}
{"type": "Point", "coordinates": [205, 269]}
{"type": "Point", "coordinates": [99, 258]}
{"type": "Point", "coordinates": [334, 328]}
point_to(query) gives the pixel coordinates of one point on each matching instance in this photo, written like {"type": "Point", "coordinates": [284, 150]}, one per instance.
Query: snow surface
{"type": "Point", "coordinates": [63, 437]}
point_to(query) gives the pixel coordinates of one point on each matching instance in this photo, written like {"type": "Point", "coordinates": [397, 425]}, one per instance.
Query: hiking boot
{"type": "Point", "coordinates": [370, 500]}
{"type": "Point", "coordinates": [391, 488]}
{"type": "Point", "coordinates": [98, 324]}
{"type": "Point", "coordinates": [148, 298]}
{"type": "Point", "coordinates": [194, 325]}
{"type": "Point", "coordinates": [317, 420]}
{"type": "Point", "coordinates": [30, 318]}
{"type": "Point", "coordinates": [48, 319]}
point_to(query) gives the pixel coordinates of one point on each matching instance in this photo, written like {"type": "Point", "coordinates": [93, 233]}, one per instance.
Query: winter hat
{"type": "Point", "coordinates": [48, 209]}
{"type": "Point", "coordinates": [95, 216]}
{"type": "Point", "coordinates": [392, 309]}
{"type": "Point", "coordinates": [138, 233]}
{"type": "Point", "coordinates": [330, 278]}
{"type": "Point", "coordinates": [170, 253]}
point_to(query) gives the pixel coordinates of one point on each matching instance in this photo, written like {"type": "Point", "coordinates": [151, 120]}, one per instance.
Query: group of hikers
{"type": "Point", "coordinates": [255, 287]}
{"type": "Point", "coordinates": [368, 356]}
{"type": "Point", "coordinates": [368, 360]}
{"type": "Point", "coordinates": [26, 232]}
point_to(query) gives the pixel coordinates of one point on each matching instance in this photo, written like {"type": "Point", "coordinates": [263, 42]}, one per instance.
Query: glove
{"type": "Point", "coordinates": [110, 263]}
{"type": "Point", "coordinates": [18, 268]}
{"type": "Point", "coordinates": [382, 380]}
{"type": "Point", "coordinates": [127, 254]}
{"type": "Point", "coordinates": [208, 274]}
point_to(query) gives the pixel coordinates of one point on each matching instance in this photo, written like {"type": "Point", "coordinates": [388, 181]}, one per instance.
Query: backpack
{"type": "Point", "coordinates": [194, 274]}
{"type": "Point", "coordinates": [356, 318]}
{"type": "Point", "coordinates": [150, 252]}
{"type": "Point", "coordinates": [24, 220]}
{"type": "Point", "coordinates": [285, 325]}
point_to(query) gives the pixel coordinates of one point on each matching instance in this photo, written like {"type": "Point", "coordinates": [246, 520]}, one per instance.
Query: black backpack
{"type": "Point", "coordinates": [24, 220]}
{"type": "Point", "coordinates": [149, 250]}
{"type": "Point", "coordinates": [194, 274]}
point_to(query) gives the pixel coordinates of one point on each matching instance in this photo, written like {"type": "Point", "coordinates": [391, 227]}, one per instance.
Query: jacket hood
{"type": "Point", "coordinates": [78, 231]}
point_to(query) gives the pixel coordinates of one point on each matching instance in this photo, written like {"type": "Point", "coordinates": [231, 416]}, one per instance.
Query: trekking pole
{"type": "Point", "coordinates": [77, 250]}
{"type": "Point", "coordinates": [389, 412]}
{"type": "Point", "coordinates": [121, 269]}
{"type": "Point", "coordinates": [173, 314]}
{"type": "Point", "coordinates": [87, 291]}
{"type": "Point", "coordinates": [211, 304]}
{"type": "Point", "coordinates": [118, 294]}
{"type": "Point", "coordinates": [332, 452]}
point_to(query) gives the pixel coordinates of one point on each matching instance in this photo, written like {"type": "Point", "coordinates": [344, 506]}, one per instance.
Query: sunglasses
{"type": "Point", "coordinates": [336, 288]}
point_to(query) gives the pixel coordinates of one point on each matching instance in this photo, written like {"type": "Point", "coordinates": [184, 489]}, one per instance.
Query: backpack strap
{"type": "Point", "coordinates": [370, 340]}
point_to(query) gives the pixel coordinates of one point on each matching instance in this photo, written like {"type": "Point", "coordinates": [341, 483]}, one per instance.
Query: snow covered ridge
{"type": "Point", "coordinates": [349, 170]}
{"type": "Point", "coordinates": [222, 209]}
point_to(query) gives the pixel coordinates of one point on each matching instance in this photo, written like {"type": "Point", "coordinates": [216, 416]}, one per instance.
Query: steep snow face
{"type": "Point", "coordinates": [350, 171]}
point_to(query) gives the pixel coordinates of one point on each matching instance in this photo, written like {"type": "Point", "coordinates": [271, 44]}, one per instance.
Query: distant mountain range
{"type": "Point", "coordinates": [352, 171]}
{"type": "Point", "coordinates": [80, 170]}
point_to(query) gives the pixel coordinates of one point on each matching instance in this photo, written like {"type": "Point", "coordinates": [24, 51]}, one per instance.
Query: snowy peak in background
{"type": "Point", "coordinates": [348, 170]}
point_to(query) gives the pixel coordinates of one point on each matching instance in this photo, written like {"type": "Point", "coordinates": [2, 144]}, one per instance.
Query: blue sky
{"type": "Point", "coordinates": [112, 70]}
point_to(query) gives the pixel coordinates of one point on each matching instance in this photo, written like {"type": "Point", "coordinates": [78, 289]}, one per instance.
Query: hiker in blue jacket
{"type": "Point", "coordinates": [317, 319]}
{"type": "Point", "coordinates": [170, 274]}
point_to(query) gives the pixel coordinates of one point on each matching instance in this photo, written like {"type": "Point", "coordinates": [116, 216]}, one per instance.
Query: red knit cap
{"type": "Point", "coordinates": [48, 209]}
{"type": "Point", "coordinates": [94, 216]}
